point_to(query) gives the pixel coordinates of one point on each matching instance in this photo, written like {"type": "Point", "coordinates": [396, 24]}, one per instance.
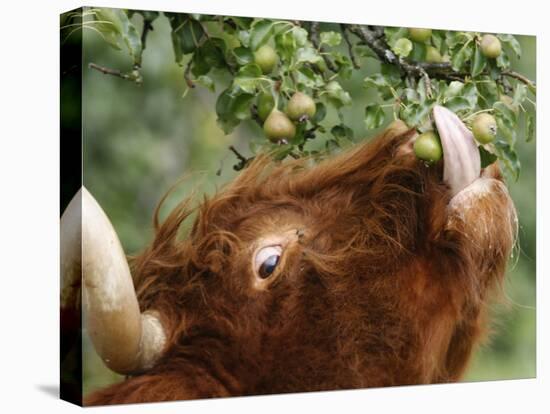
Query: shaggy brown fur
{"type": "Point", "coordinates": [387, 286]}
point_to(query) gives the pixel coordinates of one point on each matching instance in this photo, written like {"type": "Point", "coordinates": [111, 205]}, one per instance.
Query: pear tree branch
{"type": "Point", "coordinates": [314, 38]}
{"type": "Point", "coordinates": [373, 38]}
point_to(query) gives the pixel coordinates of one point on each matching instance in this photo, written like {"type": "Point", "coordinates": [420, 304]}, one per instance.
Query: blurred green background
{"type": "Point", "coordinates": [138, 141]}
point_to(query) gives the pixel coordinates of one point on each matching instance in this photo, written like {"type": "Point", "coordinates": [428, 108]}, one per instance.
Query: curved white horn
{"type": "Point", "coordinates": [126, 340]}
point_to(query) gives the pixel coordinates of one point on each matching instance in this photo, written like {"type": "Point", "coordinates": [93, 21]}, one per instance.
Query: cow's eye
{"type": "Point", "coordinates": [266, 260]}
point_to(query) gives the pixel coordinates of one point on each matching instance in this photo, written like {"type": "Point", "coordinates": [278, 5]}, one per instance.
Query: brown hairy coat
{"type": "Point", "coordinates": [386, 281]}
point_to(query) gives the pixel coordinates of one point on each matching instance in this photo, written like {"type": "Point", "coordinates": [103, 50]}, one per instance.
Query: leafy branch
{"type": "Point", "coordinates": [296, 71]}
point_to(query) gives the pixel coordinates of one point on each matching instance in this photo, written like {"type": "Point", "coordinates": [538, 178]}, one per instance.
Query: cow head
{"type": "Point", "coordinates": [368, 269]}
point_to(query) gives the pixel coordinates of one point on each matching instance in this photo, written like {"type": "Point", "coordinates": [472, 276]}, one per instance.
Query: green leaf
{"type": "Point", "coordinates": [226, 121]}
{"type": "Point", "coordinates": [241, 106]}
{"type": "Point", "coordinates": [494, 70]}
{"type": "Point", "coordinates": [115, 24]}
{"type": "Point", "coordinates": [342, 131]}
{"type": "Point", "coordinates": [285, 44]}
{"type": "Point", "coordinates": [393, 34]}
{"type": "Point", "coordinates": [418, 53]}
{"type": "Point", "coordinates": [374, 116]}
{"type": "Point", "coordinates": [109, 26]}
{"type": "Point", "coordinates": [382, 82]}
{"type": "Point", "coordinates": [411, 95]}
{"type": "Point", "coordinates": [458, 103]}
{"type": "Point", "coordinates": [509, 158]}
{"type": "Point", "coordinates": [244, 37]}
{"type": "Point", "coordinates": [520, 93]}
{"type": "Point", "coordinates": [199, 17]}
{"type": "Point", "coordinates": [511, 41]}
{"type": "Point", "coordinates": [227, 125]}
{"type": "Point", "coordinates": [456, 39]}
{"type": "Point", "coordinates": [251, 70]}
{"type": "Point", "coordinates": [190, 33]}
{"type": "Point", "coordinates": [506, 131]}
{"type": "Point", "coordinates": [232, 107]}
{"type": "Point", "coordinates": [241, 22]}
{"type": "Point", "coordinates": [437, 39]}
{"type": "Point", "coordinates": [243, 55]}
{"type": "Point", "coordinates": [478, 62]}
{"type": "Point", "coordinates": [488, 92]}
{"type": "Point", "coordinates": [176, 44]}
{"type": "Point", "coordinates": [487, 158]}
{"type": "Point", "coordinates": [199, 66]}
{"type": "Point", "coordinates": [343, 64]}
{"type": "Point", "coordinates": [503, 61]}
{"type": "Point", "coordinates": [459, 58]}
{"type": "Point", "coordinates": [223, 104]}
{"type": "Point", "coordinates": [306, 77]}
{"type": "Point", "coordinates": [530, 127]}
{"type": "Point", "coordinates": [308, 55]}
{"type": "Point", "coordinates": [416, 114]}
{"type": "Point", "coordinates": [332, 144]}
{"type": "Point", "coordinates": [470, 93]}
{"type": "Point", "coordinates": [454, 89]}
{"type": "Point", "coordinates": [206, 81]}
{"type": "Point", "coordinates": [281, 151]}
{"type": "Point", "coordinates": [320, 113]}
{"type": "Point", "coordinates": [391, 74]}
{"type": "Point", "coordinates": [248, 78]}
{"type": "Point", "coordinates": [260, 33]}
{"type": "Point", "coordinates": [210, 55]}
{"type": "Point", "coordinates": [300, 35]}
{"type": "Point", "coordinates": [376, 80]}
{"type": "Point", "coordinates": [506, 122]}
{"type": "Point", "coordinates": [331, 38]}
{"type": "Point", "coordinates": [402, 47]}
{"type": "Point", "coordinates": [504, 111]}
{"type": "Point", "coordinates": [299, 136]}
{"type": "Point", "coordinates": [337, 95]}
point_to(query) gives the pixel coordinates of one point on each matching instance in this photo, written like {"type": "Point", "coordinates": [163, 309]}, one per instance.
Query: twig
{"type": "Point", "coordinates": [377, 45]}
{"type": "Point", "coordinates": [310, 133]}
{"type": "Point", "coordinates": [519, 77]}
{"type": "Point", "coordinates": [207, 36]}
{"type": "Point", "coordinates": [350, 47]}
{"type": "Point", "coordinates": [413, 69]}
{"type": "Point", "coordinates": [219, 171]}
{"type": "Point", "coordinates": [255, 116]}
{"type": "Point", "coordinates": [506, 84]}
{"type": "Point", "coordinates": [377, 31]}
{"type": "Point", "coordinates": [314, 37]}
{"type": "Point", "coordinates": [243, 161]}
{"type": "Point", "coordinates": [187, 73]}
{"type": "Point", "coordinates": [187, 76]}
{"type": "Point", "coordinates": [435, 67]}
{"type": "Point", "coordinates": [443, 70]}
{"type": "Point", "coordinates": [107, 71]}
{"type": "Point", "coordinates": [382, 50]}
{"type": "Point", "coordinates": [134, 77]}
{"type": "Point", "coordinates": [228, 22]}
{"type": "Point", "coordinates": [147, 26]}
